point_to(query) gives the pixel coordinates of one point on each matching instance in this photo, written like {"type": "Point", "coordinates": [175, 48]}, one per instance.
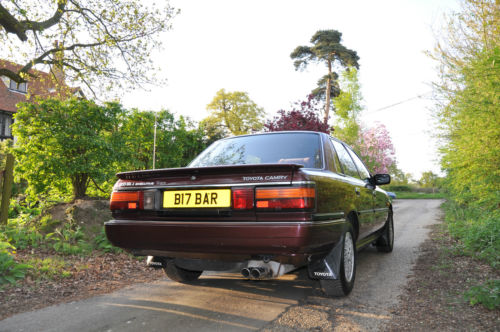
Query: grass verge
{"type": "Point", "coordinates": [477, 232]}
{"type": "Point", "coordinates": [417, 195]}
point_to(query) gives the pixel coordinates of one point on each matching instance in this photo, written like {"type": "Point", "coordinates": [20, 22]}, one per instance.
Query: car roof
{"type": "Point", "coordinates": [278, 132]}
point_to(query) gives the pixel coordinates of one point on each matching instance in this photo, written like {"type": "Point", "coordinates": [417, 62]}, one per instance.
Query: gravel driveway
{"type": "Point", "coordinates": [226, 302]}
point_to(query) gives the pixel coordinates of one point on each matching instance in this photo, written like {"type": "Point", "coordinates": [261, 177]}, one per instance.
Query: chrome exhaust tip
{"type": "Point", "coordinates": [258, 272]}
{"type": "Point", "coordinates": [245, 272]}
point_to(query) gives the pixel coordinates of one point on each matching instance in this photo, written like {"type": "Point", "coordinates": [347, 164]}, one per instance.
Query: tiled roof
{"type": "Point", "coordinates": [42, 85]}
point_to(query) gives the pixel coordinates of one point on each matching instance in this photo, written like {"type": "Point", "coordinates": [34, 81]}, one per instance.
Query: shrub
{"type": "Point", "coordinates": [487, 294]}
{"type": "Point", "coordinates": [69, 240]}
{"type": "Point", "coordinates": [102, 243]}
{"type": "Point", "coordinates": [10, 270]}
{"type": "Point", "coordinates": [477, 230]}
{"type": "Point", "coordinates": [49, 269]}
{"type": "Point", "coordinates": [399, 188]}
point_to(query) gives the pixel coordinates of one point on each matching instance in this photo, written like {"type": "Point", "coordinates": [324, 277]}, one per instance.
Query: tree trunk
{"type": "Point", "coordinates": [328, 91]}
{"type": "Point", "coordinates": [80, 183]}
{"type": "Point", "coordinates": [7, 188]}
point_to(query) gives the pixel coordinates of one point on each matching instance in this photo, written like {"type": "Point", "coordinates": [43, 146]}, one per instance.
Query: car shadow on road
{"type": "Point", "coordinates": [290, 286]}
{"type": "Point", "coordinates": [217, 301]}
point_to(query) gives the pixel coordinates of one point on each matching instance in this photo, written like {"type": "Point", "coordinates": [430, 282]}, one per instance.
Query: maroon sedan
{"type": "Point", "coordinates": [263, 205]}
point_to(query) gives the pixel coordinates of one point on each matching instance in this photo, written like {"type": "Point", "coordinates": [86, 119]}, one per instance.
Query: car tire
{"type": "Point", "coordinates": [178, 274]}
{"type": "Point", "coordinates": [347, 274]}
{"type": "Point", "coordinates": [385, 242]}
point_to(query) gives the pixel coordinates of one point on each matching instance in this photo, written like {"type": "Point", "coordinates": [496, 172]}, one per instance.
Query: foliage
{"type": "Point", "coordinates": [429, 180]}
{"type": "Point", "coordinates": [487, 294]}
{"type": "Point", "coordinates": [102, 243]}
{"type": "Point", "coordinates": [177, 140]}
{"type": "Point", "coordinates": [20, 230]}
{"type": "Point", "coordinates": [398, 177]}
{"type": "Point", "coordinates": [302, 116]}
{"type": "Point", "coordinates": [80, 145]}
{"type": "Point", "coordinates": [376, 149]}
{"type": "Point", "coordinates": [374, 144]}
{"type": "Point", "coordinates": [469, 116]}
{"type": "Point", "coordinates": [212, 131]}
{"type": "Point", "coordinates": [35, 228]}
{"type": "Point", "coordinates": [63, 143]}
{"type": "Point", "coordinates": [469, 123]}
{"type": "Point", "coordinates": [327, 49]}
{"type": "Point", "coordinates": [98, 43]}
{"type": "Point", "coordinates": [417, 195]}
{"type": "Point", "coordinates": [348, 107]}
{"type": "Point", "coordinates": [235, 112]}
{"type": "Point", "coordinates": [477, 230]}
{"type": "Point", "coordinates": [69, 239]}
{"type": "Point", "coordinates": [399, 187]}
{"type": "Point", "coordinates": [10, 270]}
{"type": "Point", "coordinates": [49, 268]}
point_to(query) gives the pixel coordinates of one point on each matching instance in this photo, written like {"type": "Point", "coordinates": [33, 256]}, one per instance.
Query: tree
{"type": "Point", "coordinates": [235, 112]}
{"type": "Point", "coordinates": [97, 43]}
{"type": "Point", "coordinates": [398, 177]}
{"type": "Point", "coordinates": [469, 115]}
{"type": "Point", "coordinates": [177, 140]}
{"type": "Point", "coordinates": [65, 141]}
{"type": "Point", "coordinates": [212, 130]}
{"type": "Point", "coordinates": [376, 149]}
{"type": "Point", "coordinates": [327, 49]}
{"type": "Point", "coordinates": [348, 107]}
{"type": "Point", "coordinates": [429, 180]}
{"type": "Point", "coordinates": [302, 116]}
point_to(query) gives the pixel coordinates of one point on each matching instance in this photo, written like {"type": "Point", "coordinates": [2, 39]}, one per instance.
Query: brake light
{"type": "Point", "coordinates": [285, 198]}
{"type": "Point", "coordinates": [243, 199]}
{"type": "Point", "coordinates": [126, 200]}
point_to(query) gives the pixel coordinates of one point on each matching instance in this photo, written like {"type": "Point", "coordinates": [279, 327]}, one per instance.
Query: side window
{"type": "Point", "coordinates": [359, 164]}
{"type": "Point", "coordinates": [345, 160]}
{"type": "Point", "coordinates": [330, 157]}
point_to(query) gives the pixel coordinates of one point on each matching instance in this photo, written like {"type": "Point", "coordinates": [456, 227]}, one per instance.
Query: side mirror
{"type": "Point", "coordinates": [381, 179]}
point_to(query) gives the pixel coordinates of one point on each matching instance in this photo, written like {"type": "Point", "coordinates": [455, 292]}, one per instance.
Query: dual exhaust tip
{"type": "Point", "coordinates": [255, 272]}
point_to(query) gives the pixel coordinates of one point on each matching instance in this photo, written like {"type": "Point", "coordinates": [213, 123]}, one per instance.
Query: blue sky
{"type": "Point", "coordinates": [246, 46]}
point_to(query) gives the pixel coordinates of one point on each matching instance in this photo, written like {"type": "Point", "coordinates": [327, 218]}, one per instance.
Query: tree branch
{"type": "Point", "coordinates": [12, 25]}
{"type": "Point", "coordinates": [39, 26]}
{"type": "Point", "coordinates": [95, 184]}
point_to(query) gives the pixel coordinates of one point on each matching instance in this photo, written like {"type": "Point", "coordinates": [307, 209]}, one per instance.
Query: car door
{"type": "Point", "coordinates": [363, 192]}
{"type": "Point", "coordinates": [380, 200]}
{"type": "Point", "coordinates": [380, 209]}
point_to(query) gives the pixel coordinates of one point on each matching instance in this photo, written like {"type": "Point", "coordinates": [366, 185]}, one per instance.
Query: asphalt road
{"type": "Point", "coordinates": [226, 302]}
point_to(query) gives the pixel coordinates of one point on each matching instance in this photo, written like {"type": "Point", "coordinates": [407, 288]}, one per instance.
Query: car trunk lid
{"type": "Point", "coordinates": [210, 176]}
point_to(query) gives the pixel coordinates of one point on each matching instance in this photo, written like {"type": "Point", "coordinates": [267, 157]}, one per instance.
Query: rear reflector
{"type": "Point", "coordinates": [285, 198]}
{"type": "Point", "coordinates": [243, 199]}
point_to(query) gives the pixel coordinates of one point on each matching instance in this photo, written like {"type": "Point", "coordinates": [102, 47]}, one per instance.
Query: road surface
{"type": "Point", "coordinates": [226, 302]}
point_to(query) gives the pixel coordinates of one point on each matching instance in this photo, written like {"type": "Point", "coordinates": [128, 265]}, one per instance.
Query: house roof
{"type": "Point", "coordinates": [42, 84]}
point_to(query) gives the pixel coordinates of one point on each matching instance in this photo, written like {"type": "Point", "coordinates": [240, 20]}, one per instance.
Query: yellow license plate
{"type": "Point", "coordinates": [197, 198]}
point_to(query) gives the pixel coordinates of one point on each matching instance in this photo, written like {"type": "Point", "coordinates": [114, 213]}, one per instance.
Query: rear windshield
{"type": "Point", "coordinates": [286, 148]}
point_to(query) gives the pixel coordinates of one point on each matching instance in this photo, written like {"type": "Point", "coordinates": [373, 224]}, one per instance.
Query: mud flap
{"type": "Point", "coordinates": [155, 262]}
{"type": "Point", "coordinates": [327, 268]}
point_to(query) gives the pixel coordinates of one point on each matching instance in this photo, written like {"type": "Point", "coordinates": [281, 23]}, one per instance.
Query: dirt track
{"type": "Point", "coordinates": [225, 302]}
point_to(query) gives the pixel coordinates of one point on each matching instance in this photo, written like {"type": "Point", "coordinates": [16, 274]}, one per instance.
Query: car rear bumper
{"type": "Point", "coordinates": [287, 242]}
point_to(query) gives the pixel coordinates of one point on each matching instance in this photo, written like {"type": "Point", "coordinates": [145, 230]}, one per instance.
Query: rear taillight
{"type": "Point", "coordinates": [243, 199]}
{"type": "Point", "coordinates": [132, 200]}
{"type": "Point", "coordinates": [285, 198]}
